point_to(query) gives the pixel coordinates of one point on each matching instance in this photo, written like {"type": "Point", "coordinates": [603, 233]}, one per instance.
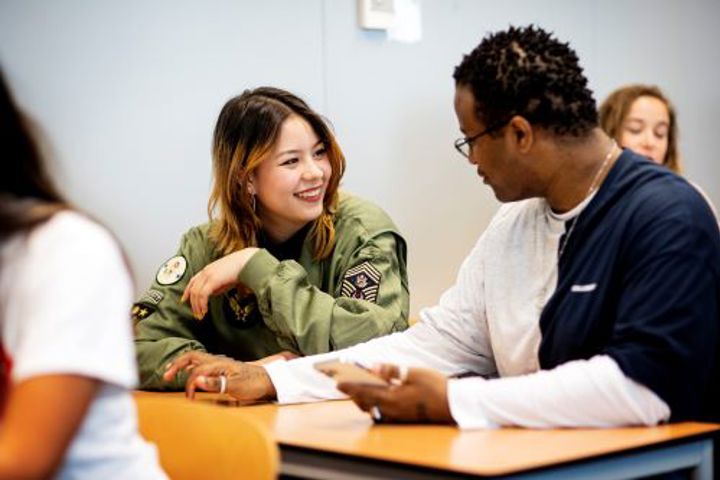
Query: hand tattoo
{"type": "Point", "coordinates": [421, 410]}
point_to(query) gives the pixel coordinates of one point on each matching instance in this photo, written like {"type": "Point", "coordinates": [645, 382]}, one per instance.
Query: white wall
{"type": "Point", "coordinates": [128, 93]}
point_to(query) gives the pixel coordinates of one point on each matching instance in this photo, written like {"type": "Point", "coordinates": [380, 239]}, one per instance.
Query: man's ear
{"type": "Point", "coordinates": [521, 133]}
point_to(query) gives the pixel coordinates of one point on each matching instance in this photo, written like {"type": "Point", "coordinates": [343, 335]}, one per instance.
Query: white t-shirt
{"type": "Point", "coordinates": [65, 297]}
{"type": "Point", "coordinates": [487, 324]}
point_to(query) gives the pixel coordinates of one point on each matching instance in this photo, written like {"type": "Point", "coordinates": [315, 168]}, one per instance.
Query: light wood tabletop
{"type": "Point", "coordinates": [339, 427]}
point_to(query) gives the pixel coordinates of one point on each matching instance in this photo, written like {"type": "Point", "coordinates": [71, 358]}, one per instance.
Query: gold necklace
{"type": "Point", "coordinates": [593, 187]}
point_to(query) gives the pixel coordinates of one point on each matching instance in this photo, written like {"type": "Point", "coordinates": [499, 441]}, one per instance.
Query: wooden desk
{"type": "Point", "coordinates": [335, 440]}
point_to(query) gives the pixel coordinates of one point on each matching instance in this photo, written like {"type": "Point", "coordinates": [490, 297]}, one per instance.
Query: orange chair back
{"type": "Point", "coordinates": [201, 441]}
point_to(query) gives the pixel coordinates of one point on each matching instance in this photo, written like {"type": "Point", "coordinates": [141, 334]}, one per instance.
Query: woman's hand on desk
{"type": "Point", "coordinates": [243, 381]}
{"type": "Point", "coordinates": [421, 396]}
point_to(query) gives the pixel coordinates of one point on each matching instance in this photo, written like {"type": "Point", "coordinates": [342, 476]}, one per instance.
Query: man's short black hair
{"type": "Point", "coordinates": [525, 71]}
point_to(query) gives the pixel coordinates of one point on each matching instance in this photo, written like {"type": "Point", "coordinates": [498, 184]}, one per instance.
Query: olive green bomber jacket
{"type": "Point", "coordinates": [359, 292]}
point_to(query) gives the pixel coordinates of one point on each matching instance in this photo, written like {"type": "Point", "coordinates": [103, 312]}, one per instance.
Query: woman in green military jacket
{"type": "Point", "coordinates": [286, 263]}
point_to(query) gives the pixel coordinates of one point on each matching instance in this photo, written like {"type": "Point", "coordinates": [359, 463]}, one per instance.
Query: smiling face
{"type": "Point", "coordinates": [646, 128]}
{"type": "Point", "coordinates": [290, 182]}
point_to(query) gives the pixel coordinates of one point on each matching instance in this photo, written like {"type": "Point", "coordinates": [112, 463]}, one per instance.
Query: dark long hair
{"type": "Point", "coordinates": [27, 195]}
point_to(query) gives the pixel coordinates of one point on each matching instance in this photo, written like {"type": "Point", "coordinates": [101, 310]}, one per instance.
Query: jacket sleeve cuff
{"type": "Point", "coordinates": [465, 406]}
{"type": "Point", "coordinates": [258, 270]}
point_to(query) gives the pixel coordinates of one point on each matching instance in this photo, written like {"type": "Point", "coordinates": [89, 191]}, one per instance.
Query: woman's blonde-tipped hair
{"type": "Point", "coordinates": [246, 131]}
{"type": "Point", "coordinates": [614, 110]}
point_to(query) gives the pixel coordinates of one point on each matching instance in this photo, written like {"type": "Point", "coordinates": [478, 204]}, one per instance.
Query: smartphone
{"type": "Point", "coordinates": [347, 372]}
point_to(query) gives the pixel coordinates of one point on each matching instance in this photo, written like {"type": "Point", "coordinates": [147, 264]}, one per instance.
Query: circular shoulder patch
{"type": "Point", "coordinates": [172, 271]}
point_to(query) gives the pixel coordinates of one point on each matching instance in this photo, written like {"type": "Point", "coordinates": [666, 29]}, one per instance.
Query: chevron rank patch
{"type": "Point", "coordinates": [172, 271]}
{"type": "Point", "coordinates": [361, 282]}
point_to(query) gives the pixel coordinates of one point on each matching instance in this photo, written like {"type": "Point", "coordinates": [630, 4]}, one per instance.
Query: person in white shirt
{"type": "Point", "coordinates": [591, 300]}
{"type": "Point", "coordinates": [66, 355]}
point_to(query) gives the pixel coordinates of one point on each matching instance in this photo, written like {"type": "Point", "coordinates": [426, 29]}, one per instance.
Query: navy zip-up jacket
{"type": "Point", "coordinates": [640, 281]}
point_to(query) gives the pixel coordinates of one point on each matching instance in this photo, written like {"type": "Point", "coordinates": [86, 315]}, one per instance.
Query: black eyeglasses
{"type": "Point", "coordinates": [464, 145]}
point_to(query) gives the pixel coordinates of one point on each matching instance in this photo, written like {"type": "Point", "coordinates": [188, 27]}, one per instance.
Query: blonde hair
{"type": "Point", "coordinates": [614, 110]}
{"type": "Point", "coordinates": [246, 130]}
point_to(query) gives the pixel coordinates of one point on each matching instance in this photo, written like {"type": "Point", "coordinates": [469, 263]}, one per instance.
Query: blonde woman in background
{"type": "Point", "coordinates": [641, 118]}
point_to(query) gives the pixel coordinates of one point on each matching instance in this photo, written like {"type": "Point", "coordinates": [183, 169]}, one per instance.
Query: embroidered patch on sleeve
{"type": "Point", "coordinates": [241, 311]}
{"type": "Point", "coordinates": [172, 271]}
{"type": "Point", "coordinates": [361, 282]}
{"type": "Point", "coordinates": [152, 297]}
{"type": "Point", "coordinates": [140, 312]}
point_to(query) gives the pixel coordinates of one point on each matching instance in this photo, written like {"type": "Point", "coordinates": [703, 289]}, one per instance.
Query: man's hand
{"type": "Point", "coordinates": [217, 277]}
{"type": "Point", "coordinates": [420, 397]}
{"type": "Point", "coordinates": [242, 380]}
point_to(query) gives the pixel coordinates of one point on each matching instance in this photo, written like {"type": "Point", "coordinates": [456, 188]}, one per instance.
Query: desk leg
{"type": "Point", "coordinates": [704, 471]}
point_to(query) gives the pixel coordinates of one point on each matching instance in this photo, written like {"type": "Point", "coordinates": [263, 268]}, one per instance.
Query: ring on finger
{"type": "Point", "coordinates": [223, 384]}
{"type": "Point", "coordinates": [375, 413]}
